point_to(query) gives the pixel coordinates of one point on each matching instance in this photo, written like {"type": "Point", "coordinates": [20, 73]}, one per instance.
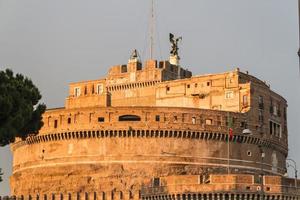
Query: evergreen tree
{"type": "Point", "coordinates": [20, 113]}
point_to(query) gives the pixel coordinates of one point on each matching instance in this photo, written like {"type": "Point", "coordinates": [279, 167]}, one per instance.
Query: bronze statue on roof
{"type": "Point", "coordinates": [174, 41]}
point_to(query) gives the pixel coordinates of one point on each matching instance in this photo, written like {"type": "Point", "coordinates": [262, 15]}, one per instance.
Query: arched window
{"type": "Point", "coordinates": [129, 118]}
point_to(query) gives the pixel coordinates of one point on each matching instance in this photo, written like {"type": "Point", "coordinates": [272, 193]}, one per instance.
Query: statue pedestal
{"type": "Point", "coordinates": [174, 60]}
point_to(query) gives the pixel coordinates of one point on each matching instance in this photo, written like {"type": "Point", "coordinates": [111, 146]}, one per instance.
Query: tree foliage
{"type": "Point", "coordinates": [20, 113]}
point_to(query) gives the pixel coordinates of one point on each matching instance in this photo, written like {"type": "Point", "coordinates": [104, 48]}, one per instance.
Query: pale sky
{"type": "Point", "coordinates": [56, 42]}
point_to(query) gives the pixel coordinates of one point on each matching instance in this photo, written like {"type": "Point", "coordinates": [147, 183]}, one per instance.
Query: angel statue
{"type": "Point", "coordinates": [174, 41]}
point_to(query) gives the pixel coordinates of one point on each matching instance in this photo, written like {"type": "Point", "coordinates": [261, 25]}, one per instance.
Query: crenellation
{"type": "Point", "coordinates": [154, 131]}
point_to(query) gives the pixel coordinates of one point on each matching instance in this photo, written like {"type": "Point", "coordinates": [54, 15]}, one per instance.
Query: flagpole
{"type": "Point", "coordinates": [228, 144]}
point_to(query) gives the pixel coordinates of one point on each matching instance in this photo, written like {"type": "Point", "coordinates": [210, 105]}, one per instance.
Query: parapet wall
{"type": "Point", "coordinates": [130, 145]}
{"type": "Point", "coordinates": [222, 187]}
{"type": "Point", "coordinates": [218, 187]}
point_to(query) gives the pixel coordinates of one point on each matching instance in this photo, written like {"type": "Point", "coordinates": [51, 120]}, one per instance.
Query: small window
{"type": "Point", "coordinates": [129, 118]}
{"type": "Point", "coordinates": [99, 88]}
{"type": "Point", "coordinates": [69, 120]}
{"type": "Point", "coordinates": [228, 94]}
{"type": "Point", "coordinates": [156, 182]}
{"type": "Point", "coordinates": [175, 118]}
{"type": "Point", "coordinates": [249, 153]}
{"type": "Point", "coordinates": [101, 119]}
{"type": "Point", "coordinates": [193, 120]}
{"type": "Point", "coordinates": [123, 68]}
{"type": "Point", "coordinates": [130, 194]}
{"type": "Point", "coordinates": [208, 83]}
{"type": "Point", "coordinates": [275, 110]}
{"type": "Point", "coordinates": [85, 90]}
{"type": "Point", "coordinates": [77, 91]}
{"type": "Point", "coordinates": [275, 129]}
{"type": "Point", "coordinates": [188, 86]}
{"type": "Point", "coordinates": [196, 85]}
{"type": "Point", "coordinates": [278, 110]}
{"type": "Point", "coordinates": [168, 88]}
{"type": "Point", "coordinates": [121, 195]}
{"type": "Point", "coordinates": [55, 123]}
{"type": "Point", "coordinates": [260, 116]}
{"type": "Point", "coordinates": [208, 121]}
{"type": "Point", "coordinates": [219, 123]}
{"type": "Point", "coordinates": [243, 124]}
{"type": "Point", "coordinates": [271, 106]}
{"type": "Point", "coordinates": [245, 100]}
{"type": "Point", "coordinates": [261, 102]}
{"type": "Point", "coordinates": [161, 64]}
{"type": "Point", "coordinates": [157, 118]}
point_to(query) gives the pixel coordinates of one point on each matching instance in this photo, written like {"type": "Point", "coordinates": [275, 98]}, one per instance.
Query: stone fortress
{"type": "Point", "coordinates": [154, 131]}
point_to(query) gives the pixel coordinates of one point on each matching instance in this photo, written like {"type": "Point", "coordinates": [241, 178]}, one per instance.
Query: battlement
{"type": "Point", "coordinates": [152, 70]}
{"type": "Point", "coordinates": [193, 187]}
{"type": "Point", "coordinates": [156, 120]}
{"type": "Point", "coordinates": [221, 186]}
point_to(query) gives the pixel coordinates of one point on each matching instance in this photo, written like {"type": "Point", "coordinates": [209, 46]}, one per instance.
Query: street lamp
{"type": "Point", "coordinates": [262, 156]}
{"type": "Point", "coordinates": [294, 166]}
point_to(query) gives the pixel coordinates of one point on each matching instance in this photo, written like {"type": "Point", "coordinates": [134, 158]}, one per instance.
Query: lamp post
{"type": "Point", "coordinates": [262, 156]}
{"type": "Point", "coordinates": [294, 167]}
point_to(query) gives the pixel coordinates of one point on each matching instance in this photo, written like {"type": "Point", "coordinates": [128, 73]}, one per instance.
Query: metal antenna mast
{"type": "Point", "coordinates": [299, 32]}
{"type": "Point", "coordinates": [152, 29]}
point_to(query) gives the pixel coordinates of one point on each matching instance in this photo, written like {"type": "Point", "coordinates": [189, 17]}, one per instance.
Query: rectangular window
{"type": "Point", "coordinates": [55, 123]}
{"type": "Point", "coordinates": [85, 90]}
{"type": "Point", "coordinates": [275, 111]}
{"type": "Point", "coordinates": [99, 88]}
{"type": "Point", "coordinates": [245, 100]}
{"type": "Point", "coordinates": [208, 121]}
{"type": "Point", "coordinates": [156, 182]}
{"type": "Point", "coordinates": [219, 123]}
{"type": "Point", "coordinates": [175, 118]}
{"type": "Point", "coordinates": [229, 94]}
{"type": "Point", "coordinates": [77, 91]}
{"type": "Point", "coordinates": [93, 89]}
{"type": "Point", "coordinates": [193, 120]}
{"type": "Point", "coordinates": [271, 106]}
{"type": "Point", "coordinates": [260, 116]}
{"type": "Point", "coordinates": [123, 68]}
{"type": "Point", "coordinates": [275, 129]}
{"type": "Point", "coordinates": [278, 110]}
{"type": "Point", "coordinates": [101, 119]}
{"type": "Point", "coordinates": [157, 118]}
{"type": "Point", "coordinates": [271, 128]}
{"type": "Point", "coordinates": [261, 102]}
{"type": "Point", "coordinates": [69, 120]}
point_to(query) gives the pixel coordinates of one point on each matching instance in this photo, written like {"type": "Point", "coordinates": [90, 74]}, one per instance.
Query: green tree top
{"type": "Point", "coordinates": [20, 113]}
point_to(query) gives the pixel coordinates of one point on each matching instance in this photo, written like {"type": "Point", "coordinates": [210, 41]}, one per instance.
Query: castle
{"type": "Point", "coordinates": [153, 131]}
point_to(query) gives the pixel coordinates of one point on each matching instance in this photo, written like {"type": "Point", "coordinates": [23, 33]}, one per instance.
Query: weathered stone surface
{"type": "Point", "coordinates": [119, 136]}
